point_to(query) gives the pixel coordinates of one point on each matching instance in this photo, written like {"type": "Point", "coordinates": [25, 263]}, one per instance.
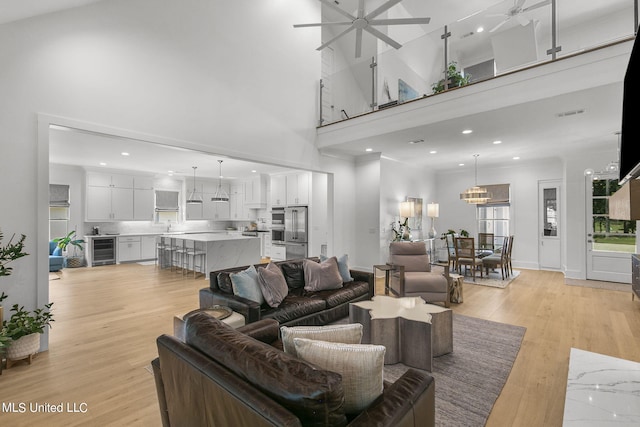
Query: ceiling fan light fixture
{"type": "Point", "coordinates": [194, 198]}
{"type": "Point", "coordinates": [220, 195]}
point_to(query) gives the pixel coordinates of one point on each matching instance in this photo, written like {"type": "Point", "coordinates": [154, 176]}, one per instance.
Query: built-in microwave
{"type": "Point", "coordinates": [277, 234]}
{"type": "Point", "coordinates": [277, 217]}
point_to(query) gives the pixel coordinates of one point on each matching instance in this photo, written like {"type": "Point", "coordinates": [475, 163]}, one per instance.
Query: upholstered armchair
{"type": "Point", "coordinates": [56, 260]}
{"type": "Point", "coordinates": [412, 275]}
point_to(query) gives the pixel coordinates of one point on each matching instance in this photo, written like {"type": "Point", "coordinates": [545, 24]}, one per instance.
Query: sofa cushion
{"type": "Point", "coordinates": [321, 276]}
{"type": "Point", "coordinates": [415, 281]}
{"type": "Point", "coordinates": [293, 273]}
{"type": "Point", "coordinates": [245, 285]}
{"type": "Point", "coordinates": [314, 395]}
{"type": "Point", "coordinates": [273, 285]}
{"type": "Point", "coordinates": [293, 307]}
{"type": "Point", "coordinates": [347, 293]}
{"type": "Point", "coordinates": [347, 334]}
{"type": "Point", "coordinates": [361, 367]}
{"type": "Point", "coordinates": [343, 266]}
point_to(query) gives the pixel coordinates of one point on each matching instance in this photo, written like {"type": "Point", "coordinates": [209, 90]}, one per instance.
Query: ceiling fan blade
{"type": "Point", "coordinates": [499, 25]}
{"type": "Point", "coordinates": [400, 21]}
{"type": "Point", "coordinates": [383, 37]}
{"type": "Point", "coordinates": [335, 7]}
{"type": "Point", "coordinates": [360, 9]}
{"type": "Point", "coordinates": [382, 8]}
{"type": "Point", "coordinates": [537, 5]}
{"type": "Point", "coordinates": [358, 42]}
{"type": "Point", "coordinates": [322, 24]}
{"type": "Point", "coordinates": [325, 44]}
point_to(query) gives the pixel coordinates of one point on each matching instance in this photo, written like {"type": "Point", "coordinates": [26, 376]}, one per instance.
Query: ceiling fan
{"type": "Point", "coordinates": [516, 12]}
{"type": "Point", "coordinates": [364, 21]}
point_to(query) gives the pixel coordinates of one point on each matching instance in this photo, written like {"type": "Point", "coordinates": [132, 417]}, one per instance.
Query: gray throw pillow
{"type": "Point", "coordinates": [350, 333]}
{"type": "Point", "coordinates": [245, 285]}
{"type": "Point", "coordinates": [321, 276]}
{"type": "Point", "coordinates": [273, 285]}
{"type": "Point", "coordinates": [343, 267]}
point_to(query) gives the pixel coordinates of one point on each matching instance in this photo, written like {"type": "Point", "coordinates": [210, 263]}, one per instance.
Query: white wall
{"type": "Point", "coordinates": [184, 71]}
{"type": "Point", "coordinates": [367, 217]}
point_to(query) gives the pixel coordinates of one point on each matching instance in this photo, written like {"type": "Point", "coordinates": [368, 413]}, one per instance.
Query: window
{"type": "Point", "coordinates": [494, 219]}
{"type": "Point", "coordinates": [612, 235]}
{"type": "Point", "coordinates": [167, 207]}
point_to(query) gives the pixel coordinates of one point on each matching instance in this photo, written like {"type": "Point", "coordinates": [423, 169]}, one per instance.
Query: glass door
{"type": "Point", "coordinates": [549, 249]}
{"type": "Point", "coordinates": [610, 242]}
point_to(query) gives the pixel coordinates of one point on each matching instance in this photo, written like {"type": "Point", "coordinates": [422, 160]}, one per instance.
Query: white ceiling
{"type": "Point", "coordinates": [14, 10]}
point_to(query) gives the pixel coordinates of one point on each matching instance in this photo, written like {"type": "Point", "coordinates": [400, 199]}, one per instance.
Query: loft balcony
{"type": "Point", "coordinates": [559, 47]}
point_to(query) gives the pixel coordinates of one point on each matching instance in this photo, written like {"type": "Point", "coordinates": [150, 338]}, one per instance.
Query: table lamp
{"type": "Point", "coordinates": [433, 210]}
{"type": "Point", "coordinates": [407, 210]}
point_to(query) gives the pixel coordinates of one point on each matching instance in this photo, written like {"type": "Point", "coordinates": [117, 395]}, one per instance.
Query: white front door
{"type": "Point", "coordinates": [549, 249]}
{"type": "Point", "coordinates": [610, 243]}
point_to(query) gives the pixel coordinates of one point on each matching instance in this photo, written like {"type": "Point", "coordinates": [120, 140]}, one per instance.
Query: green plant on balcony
{"type": "Point", "coordinates": [454, 76]}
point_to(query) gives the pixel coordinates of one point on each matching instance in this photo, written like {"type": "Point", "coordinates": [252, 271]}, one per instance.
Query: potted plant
{"type": "Point", "coordinates": [454, 76]}
{"type": "Point", "coordinates": [9, 252]}
{"type": "Point", "coordinates": [23, 329]}
{"type": "Point", "coordinates": [73, 260]}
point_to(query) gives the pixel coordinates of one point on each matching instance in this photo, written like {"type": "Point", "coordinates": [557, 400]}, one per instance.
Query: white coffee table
{"type": "Point", "coordinates": [412, 331]}
{"type": "Point", "coordinates": [235, 320]}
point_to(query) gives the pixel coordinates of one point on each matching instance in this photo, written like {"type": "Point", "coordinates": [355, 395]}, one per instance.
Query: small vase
{"type": "Point", "coordinates": [24, 346]}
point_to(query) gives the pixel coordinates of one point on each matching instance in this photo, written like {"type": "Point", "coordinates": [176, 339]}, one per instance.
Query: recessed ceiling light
{"type": "Point", "coordinates": [460, 164]}
{"type": "Point", "coordinates": [516, 158]}
{"type": "Point", "coordinates": [432, 152]}
{"type": "Point", "coordinates": [497, 142]}
{"type": "Point", "coordinates": [368, 149]}
{"type": "Point", "coordinates": [467, 131]}
{"type": "Point", "coordinates": [253, 171]}
{"type": "Point", "coordinates": [416, 141]}
{"type": "Point", "coordinates": [103, 164]}
{"type": "Point", "coordinates": [479, 30]}
{"type": "Point", "coordinates": [124, 153]}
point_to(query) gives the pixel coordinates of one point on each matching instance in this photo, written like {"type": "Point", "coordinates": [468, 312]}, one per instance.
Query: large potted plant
{"type": "Point", "coordinates": [8, 253]}
{"type": "Point", "coordinates": [73, 259]}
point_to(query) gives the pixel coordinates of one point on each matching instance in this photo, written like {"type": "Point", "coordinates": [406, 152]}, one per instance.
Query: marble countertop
{"type": "Point", "coordinates": [601, 390]}
{"type": "Point", "coordinates": [209, 237]}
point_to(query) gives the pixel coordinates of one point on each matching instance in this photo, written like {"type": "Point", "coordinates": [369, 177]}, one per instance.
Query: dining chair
{"type": "Point", "coordinates": [451, 251]}
{"type": "Point", "coordinates": [485, 241]}
{"type": "Point", "coordinates": [498, 259]}
{"type": "Point", "coordinates": [509, 254]}
{"type": "Point", "coordinates": [466, 256]}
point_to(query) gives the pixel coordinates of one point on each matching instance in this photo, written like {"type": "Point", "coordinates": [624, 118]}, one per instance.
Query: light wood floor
{"type": "Point", "coordinates": [107, 320]}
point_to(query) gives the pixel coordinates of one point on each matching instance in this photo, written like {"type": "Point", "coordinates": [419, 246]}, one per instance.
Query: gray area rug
{"type": "Point", "coordinates": [494, 279]}
{"type": "Point", "coordinates": [469, 380]}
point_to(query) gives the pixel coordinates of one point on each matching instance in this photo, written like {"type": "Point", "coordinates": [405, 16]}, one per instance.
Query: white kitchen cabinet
{"type": "Point", "coordinates": [267, 244]}
{"type": "Point", "coordinates": [109, 204]}
{"type": "Point", "coordinates": [214, 210]}
{"type": "Point", "coordinates": [143, 204]}
{"type": "Point", "coordinates": [194, 211]}
{"type": "Point", "coordinates": [297, 185]}
{"type": "Point", "coordinates": [148, 247]}
{"type": "Point", "coordinates": [100, 179]}
{"type": "Point", "coordinates": [278, 253]}
{"type": "Point", "coordinates": [255, 192]}
{"type": "Point", "coordinates": [143, 182]}
{"type": "Point", "coordinates": [278, 191]}
{"type": "Point", "coordinates": [128, 248]}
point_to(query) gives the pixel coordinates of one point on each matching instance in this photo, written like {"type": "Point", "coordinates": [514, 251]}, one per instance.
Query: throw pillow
{"type": "Point", "coordinates": [346, 334]}
{"type": "Point", "coordinates": [272, 284]}
{"type": "Point", "coordinates": [321, 276]}
{"type": "Point", "coordinates": [360, 365]}
{"type": "Point", "coordinates": [343, 267]}
{"type": "Point", "coordinates": [245, 285]}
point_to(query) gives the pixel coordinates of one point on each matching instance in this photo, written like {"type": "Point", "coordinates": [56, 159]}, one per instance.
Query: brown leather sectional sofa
{"type": "Point", "coordinates": [228, 377]}
{"type": "Point", "coordinates": [299, 307]}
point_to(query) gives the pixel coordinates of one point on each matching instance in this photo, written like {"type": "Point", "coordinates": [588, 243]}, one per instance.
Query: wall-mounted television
{"type": "Point", "coordinates": [630, 131]}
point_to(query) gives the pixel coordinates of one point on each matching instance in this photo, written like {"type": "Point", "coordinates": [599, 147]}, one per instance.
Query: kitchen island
{"type": "Point", "coordinates": [221, 250]}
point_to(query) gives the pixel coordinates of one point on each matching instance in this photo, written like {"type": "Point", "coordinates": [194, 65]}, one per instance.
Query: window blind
{"type": "Point", "coordinates": [58, 195]}
{"type": "Point", "coordinates": [500, 194]}
{"type": "Point", "coordinates": [167, 201]}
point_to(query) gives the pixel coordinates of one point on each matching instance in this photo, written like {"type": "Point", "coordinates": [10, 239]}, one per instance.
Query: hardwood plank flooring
{"type": "Point", "coordinates": [107, 320]}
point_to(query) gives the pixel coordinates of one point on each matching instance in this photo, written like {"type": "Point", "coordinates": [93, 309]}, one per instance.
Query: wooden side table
{"type": "Point", "coordinates": [455, 292]}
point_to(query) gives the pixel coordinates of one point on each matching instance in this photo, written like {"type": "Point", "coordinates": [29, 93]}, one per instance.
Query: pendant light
{"type": "Point", "coordinates": [475, 195]}
{"type": "Point", "coordinates": [193, 198]}
{"type": "Point", "coordinates": [220, 195]}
